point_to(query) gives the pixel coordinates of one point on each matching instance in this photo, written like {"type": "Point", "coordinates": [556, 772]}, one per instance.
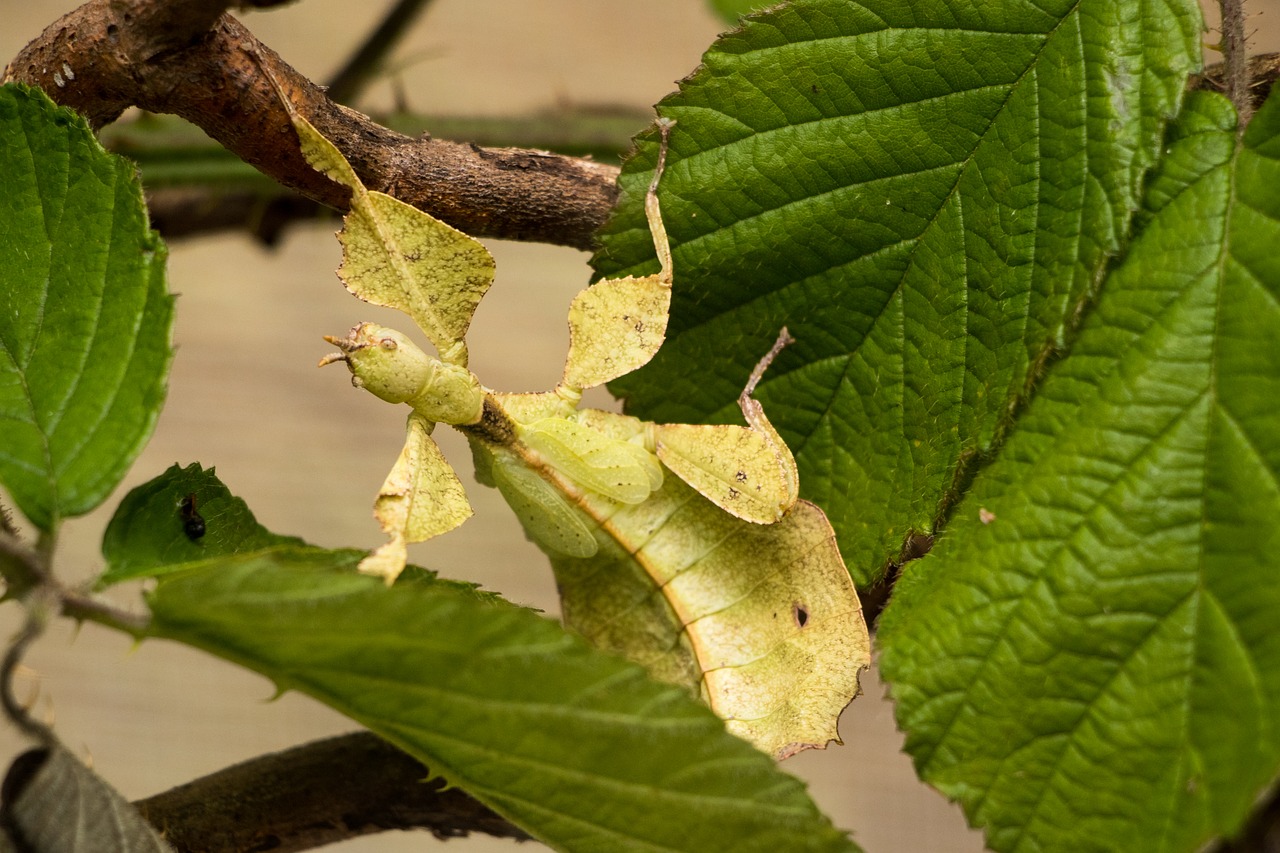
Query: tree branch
{"type": "Point", "coordinates": [108, 55]}
{"type": "Point", "coordinates": [1234, 51]}
{"type": "Point", "coordinates": [194, 186]}
{"type": "Point", "coordinates": [367, 61]}
{"type": "Point", "coordinates": [315, 794]}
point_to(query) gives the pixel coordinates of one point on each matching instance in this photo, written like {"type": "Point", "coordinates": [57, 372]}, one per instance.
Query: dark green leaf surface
{"type": "Point", "coordinates": [1098, 666]}
{"type": "Point", "coordinates": [578, 747]}
{"type": "Point", "coordinates": [146, 536]}
{"type": "Point", "coordinates": [84, 316]}
{"type": "Point", "coordinates": [58, 805]}
{"type": "Point", "coordinates": [920, 192]}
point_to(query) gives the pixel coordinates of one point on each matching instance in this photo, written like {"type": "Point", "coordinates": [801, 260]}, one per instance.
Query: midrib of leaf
{"type": "Point", "coordinates": [1168, 827]}
{"type": "Point", "coordinates": [1026, 597]}
{"type": "Point", "coordinates": [97, 274]}
{"type": "Point", "coordinates": [1201, 621]}
{"type": "Point", "coordinates": [1069, 537]}
{"type": "Point", "coordinates": [1223, 408]}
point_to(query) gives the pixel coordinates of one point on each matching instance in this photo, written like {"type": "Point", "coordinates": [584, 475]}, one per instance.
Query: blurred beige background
{"type": "Point", "coordinates": [245, 397]}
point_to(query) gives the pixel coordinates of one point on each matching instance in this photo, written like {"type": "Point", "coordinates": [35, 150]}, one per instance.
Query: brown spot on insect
{"type": "Point", "coordinates": [741, 476]}
{"type": "Point", "coordinates": [800, 613]}
{"type": "Point", "coordinates": [192, 521]}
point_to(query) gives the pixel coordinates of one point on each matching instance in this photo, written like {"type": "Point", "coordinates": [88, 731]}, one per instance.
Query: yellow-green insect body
{"type": "Point", "coordinates": [684, 547]}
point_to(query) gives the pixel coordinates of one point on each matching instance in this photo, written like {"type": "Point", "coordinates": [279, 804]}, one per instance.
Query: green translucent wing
{"type": "Point", "coordinates": [619, 470]}
{"type": "Point", "coordinates": [547, 517]}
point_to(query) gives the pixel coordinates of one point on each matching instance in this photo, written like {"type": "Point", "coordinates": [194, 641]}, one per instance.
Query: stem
{"type": "Point", "coordinates": [85, 608]}
{"type": "Point", "coordinates": [46, 543]}
{"type": "Point", "coordinates": [26, 572]}
{"type": "Point", "coordinates": [23, 569]}
{"type": "Point", "coordinates": [364, 65]}
{"type": "Point", "coordinates": [38, 605]}
{"type": "Point", "coordinates": [315, 794]}
{"type": "Point", "coordinates": [1235, 52]}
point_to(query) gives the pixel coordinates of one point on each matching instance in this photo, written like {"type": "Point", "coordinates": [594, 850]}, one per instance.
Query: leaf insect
{"type": "Point", "coordinates": [685, 574]}
{"type": "Point", "coordinates": [192, 520]}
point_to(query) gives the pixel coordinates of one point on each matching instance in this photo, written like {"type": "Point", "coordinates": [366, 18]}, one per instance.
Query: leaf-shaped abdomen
{"type": "Point", "coordinates": [546, 515]}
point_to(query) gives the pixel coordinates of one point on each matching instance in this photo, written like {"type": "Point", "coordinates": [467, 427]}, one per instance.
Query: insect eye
{"type": "Point", "coordinates": [388, 343]}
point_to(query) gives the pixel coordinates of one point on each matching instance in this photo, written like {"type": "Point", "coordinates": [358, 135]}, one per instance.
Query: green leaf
{"type": "Point", "coordinates": [1098, 663]}
{"type": "Point", "coordinates": [84, 316]}
{"type": "Point", "coordinates": [576, 746]}
{"type": "Point", "coordinates": [921, 193]}
{"type": "Point", "coordinates": [147, 535]}
{"type": "Point", "coordinates": [55, 804]}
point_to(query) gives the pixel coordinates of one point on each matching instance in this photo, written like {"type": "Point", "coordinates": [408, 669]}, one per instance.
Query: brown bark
{"type": "Point", "coordinates": [109, 55]}
{"type": "Point", "coordinates": [178, 212]}
{"type": "Point", "coordinates": [316, 794]}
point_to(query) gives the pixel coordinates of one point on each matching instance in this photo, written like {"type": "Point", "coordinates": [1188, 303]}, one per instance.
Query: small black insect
{"type": "Point", "coordinates": [192, 521]}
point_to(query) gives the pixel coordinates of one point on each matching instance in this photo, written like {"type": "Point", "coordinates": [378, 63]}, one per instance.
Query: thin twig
{"type": "Point", "coordinates": [38, 604]}
{"type": "Point", "coordinates": [26, 573]}
{"type": "Point", "coordinates": [86, 608]}
{"type": "Point", "coordinates": [1235, 52]}
{"type": "Point", "coordinates": [367, 62]}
